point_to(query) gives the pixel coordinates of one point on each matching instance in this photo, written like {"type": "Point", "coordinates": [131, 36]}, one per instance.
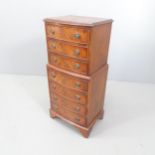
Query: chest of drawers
{"type": "Point", "coordinates": [77, 68]}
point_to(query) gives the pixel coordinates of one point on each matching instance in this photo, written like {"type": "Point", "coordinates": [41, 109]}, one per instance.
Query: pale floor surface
{"type": "Point", "coordinates": [128, 127]}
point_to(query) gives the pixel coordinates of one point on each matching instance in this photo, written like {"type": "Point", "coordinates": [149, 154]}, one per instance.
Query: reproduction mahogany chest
{"type": "Point", "coordinates": [77, 68]}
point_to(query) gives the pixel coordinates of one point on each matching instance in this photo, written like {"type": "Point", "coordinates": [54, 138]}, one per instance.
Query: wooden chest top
{"type": "Point", "coordinates": [78, 20]}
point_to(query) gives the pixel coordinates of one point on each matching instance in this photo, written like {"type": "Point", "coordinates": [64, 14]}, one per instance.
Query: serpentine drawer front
{"type": "Point", "coordinates": [64, 103]}
{"type": "Point", "coordinates": [68, 64]}
{"type": "Point", "coordinates": [77, 68]}
{"type": "Point", "coordinates": [66, 49]}
{"type": "Point", "coordinates": [67, 33]}
{"type": "Point", "coordinates": [77, 96]}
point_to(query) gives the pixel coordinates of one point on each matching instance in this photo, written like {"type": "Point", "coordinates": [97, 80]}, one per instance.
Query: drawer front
{"type": "Point", "coordinates": [69, 115]}
{"type": "Point", "coordinates": [67, 80]}
{"type": "Point", "coordinates": [71, 34]}
{"type": "Point", "coordinates": [66, 49]}
{"type": "Point", "coordinates": [68, 93]}
{"type": "Point", "coordinates": [61, 102]}
{"type": "Point", "coordinates": [68, 64]}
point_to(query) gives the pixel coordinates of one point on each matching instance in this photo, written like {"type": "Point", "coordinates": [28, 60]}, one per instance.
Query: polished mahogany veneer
{"type": "Point", "coordinates": [77, 68]}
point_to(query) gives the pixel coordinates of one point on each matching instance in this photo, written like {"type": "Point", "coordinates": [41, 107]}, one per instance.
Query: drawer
{"type": "Point", "coordinates": [69, 115]}
{"type": "Point", "coordinates": [60, 47]}
{"type": "Point", "coordinates": [68, 64]}
{"type": "Point", "coordinates": [61, 102]}
{"type": "Point", "coordinates": [69, 93]}
{"type": "Point", "coordinates": [68, 33]}
{"type": "Point", "coordinates": [67, 80]}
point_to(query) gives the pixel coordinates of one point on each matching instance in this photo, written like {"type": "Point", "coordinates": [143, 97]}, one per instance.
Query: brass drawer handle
{"type": "Point", "coordinates": [77, 108]}
{"type": "Point", "coordinates": [77, 66]}
{"type": "Point", "coordinates": [52, 31]}
{"type": "Point", "coordinates": [55, 98]}
{"type": "Point", "coordinates": [76, 52]}
{"type": "Point", "coordinates": [53, 75]}
{"type": "Point", "coordinates": [54, 46]}
{"type": "Point", "coordinates": [77, 36]}
{"type": "Point", "coordinates": [78, 84]}
{"type": "Point", "coordinates": [78, 97]}
{"type": "Point", "coordinates": [55, 60]}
